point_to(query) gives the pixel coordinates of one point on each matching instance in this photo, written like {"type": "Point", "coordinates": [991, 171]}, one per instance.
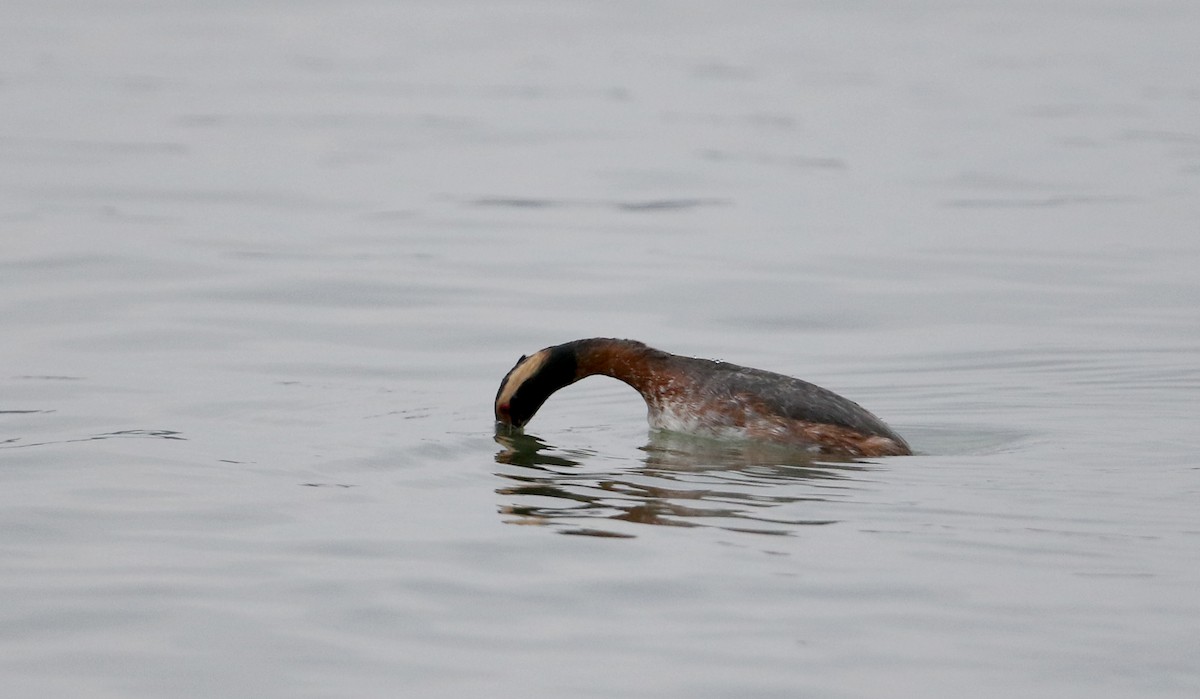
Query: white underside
{"type": "Point", "coordinates": [689, 422]}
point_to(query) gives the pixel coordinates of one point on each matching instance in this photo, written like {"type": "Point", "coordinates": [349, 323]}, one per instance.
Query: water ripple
{"type": "Point", "coordinates": [136, 434]}
{"type": "Point", "coordinates": [679, 482]}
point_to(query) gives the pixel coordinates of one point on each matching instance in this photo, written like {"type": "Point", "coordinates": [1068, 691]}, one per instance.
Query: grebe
{"type": "Point", "coordinates": [700, 396]}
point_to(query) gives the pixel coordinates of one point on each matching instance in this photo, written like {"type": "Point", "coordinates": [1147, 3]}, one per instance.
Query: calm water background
{"type": "Point", "coordinates": [263, 265]}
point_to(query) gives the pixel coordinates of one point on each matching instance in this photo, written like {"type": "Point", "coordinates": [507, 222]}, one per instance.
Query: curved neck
{"type": "Point", "coordinates": [625, 360]}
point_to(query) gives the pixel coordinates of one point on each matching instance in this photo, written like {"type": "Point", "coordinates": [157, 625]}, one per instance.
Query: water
{"type": "Point", "coordinates": [264, 265]}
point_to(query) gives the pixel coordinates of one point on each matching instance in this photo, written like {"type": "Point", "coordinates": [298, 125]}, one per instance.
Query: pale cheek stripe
{"type": "Point", "coordinates": [521, 374]}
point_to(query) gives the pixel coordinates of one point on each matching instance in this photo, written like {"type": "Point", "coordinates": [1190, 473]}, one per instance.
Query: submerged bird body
{"type": "Point", "coordinates": [701, 396]}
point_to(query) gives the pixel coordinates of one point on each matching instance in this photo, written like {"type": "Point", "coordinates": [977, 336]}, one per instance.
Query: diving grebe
{"type": "Point", "coordinates": [700, 396]}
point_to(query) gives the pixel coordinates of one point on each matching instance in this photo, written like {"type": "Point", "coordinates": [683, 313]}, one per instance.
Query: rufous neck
{"type": "Point", "coordinates": [625, 360]}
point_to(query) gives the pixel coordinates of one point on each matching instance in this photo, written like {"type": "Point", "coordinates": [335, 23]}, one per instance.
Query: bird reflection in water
{"type": "Point", "coordinates": [680, 481]}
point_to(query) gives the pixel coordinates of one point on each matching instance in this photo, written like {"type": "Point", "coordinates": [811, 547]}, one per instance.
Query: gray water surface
{"type": "Point", "coordinates": [263, 265]}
